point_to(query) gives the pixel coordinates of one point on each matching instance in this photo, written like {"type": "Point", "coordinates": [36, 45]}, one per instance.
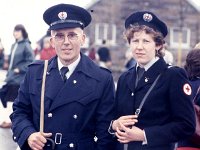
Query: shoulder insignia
{"type": "Point", "coordinates": [36, 62]}
{"type": "Point", "coordinates": [187, 89]}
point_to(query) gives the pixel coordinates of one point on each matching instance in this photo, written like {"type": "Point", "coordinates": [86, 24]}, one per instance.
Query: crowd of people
{"type": "Point", "coordinates": [70, 100]}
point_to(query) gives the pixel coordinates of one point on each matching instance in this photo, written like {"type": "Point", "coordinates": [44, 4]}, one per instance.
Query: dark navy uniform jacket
{"type": "Point", "coordinates": [79, 109]}
{"type": "Point", "coordinates": [167, 115]}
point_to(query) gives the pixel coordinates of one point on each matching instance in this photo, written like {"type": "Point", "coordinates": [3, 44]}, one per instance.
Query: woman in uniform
{"type": "Point", "coordinates": [154, 107]}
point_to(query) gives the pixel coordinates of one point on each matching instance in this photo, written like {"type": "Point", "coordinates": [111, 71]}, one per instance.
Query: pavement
{"type": "Point", "coordinates": [6, 141]}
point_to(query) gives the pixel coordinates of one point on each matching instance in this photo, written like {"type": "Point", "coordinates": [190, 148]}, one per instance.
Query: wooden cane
{"type": "Point", "coordinates": [42, 98]}
{"type": "Point", "coordinates": [42, 105]}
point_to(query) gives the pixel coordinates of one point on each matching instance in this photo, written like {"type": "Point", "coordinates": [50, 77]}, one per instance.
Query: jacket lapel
{"type": "Point", "coordinates": [53, 76]}
{"type": "Point", "coordinates": [151, 74]}
{"type": "Point", "coordinates": [131, 77]}
{"type": "Point", "coordinates": [79, 87]}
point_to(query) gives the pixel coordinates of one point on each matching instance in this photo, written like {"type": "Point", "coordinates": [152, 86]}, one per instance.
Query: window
{"type": "Point", "coordinates": [180, 40]}
{"type": "Point", "coordinates": [106, 32]}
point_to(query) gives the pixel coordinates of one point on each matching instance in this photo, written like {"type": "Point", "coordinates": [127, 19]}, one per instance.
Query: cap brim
{"type": "Point", "coordinates": [65, 25]}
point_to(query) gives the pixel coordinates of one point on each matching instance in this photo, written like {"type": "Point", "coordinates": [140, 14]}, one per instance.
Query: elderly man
{"type": "Point", "coordinates": [79, 95]}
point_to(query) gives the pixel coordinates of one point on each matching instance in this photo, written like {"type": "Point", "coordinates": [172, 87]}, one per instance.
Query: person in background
{"type": "Point", "coordinates": [167, 114]}
{"type": "Point", "coordinates": [104, 57]}
{"type": "Point", "coordinates": [48, 51]}
{"type": "Point", "coordinates": [192, 67]}
{"type": "Point", "coordinates": [168, 56]}
{"type": "Point", "coordinates": [21, 56]}
{"type": "Point", "coordinates": [79, 95]}
{"type": "Point", "coordinates": [1, 55]}
{"type": "Point", "coordinates": [197, 46]}
{"type": "Point", "coordinates": [92, 54]}
{"type": "Point", "coordinates": [130, 62]}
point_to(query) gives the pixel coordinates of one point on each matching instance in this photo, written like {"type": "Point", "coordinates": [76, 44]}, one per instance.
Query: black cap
{"type": "Point", "coordinates": [146, 18]}
{"type": "Point", "coordinates": [66, 16]}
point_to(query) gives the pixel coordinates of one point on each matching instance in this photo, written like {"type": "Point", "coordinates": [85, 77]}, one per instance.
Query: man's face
{"type": "Point", "coordinates": [67, 43]}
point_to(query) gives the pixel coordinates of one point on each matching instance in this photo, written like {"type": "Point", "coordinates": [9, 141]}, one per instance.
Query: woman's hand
{"type": "Point", "coordinates": [127, 121]}
{"type": "Point", "coordinates": [126, 134]}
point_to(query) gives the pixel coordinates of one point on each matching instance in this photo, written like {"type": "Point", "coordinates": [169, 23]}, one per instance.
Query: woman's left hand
{"type": "Point", "coordinates": [127, 135]}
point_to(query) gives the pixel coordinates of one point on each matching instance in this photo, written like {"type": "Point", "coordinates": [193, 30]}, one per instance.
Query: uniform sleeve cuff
{"type": "Point", "coordinates": [145, 138]}
{"type": "Point", "coordinates": [110, 130]}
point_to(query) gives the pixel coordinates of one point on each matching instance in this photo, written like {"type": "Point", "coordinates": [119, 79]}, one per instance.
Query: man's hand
{"type": "Point", "coordinates": [127, 121]}
{"type": "Point", "coordinates": [37, 141]}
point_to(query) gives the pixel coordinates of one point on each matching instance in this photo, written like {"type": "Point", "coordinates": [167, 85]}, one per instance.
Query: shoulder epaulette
{"type": "Point", "coordinates": [106, 69]}
{"type": "Point", "coordinates": [36, 62]}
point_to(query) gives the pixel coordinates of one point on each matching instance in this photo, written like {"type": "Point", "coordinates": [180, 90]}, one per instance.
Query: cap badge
{"type": "Point", "coordinates": [62, 15]}
{"type": "Point", "coordinates": [147, 17]}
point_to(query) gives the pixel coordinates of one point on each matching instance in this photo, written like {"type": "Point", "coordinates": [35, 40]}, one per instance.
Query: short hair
{"type": "Point", "coordinates": [192, 65]}
{"type": "Point", "coordinates": [157, 36]}
{"type": "Point", "coordinates": [21, 28]}
{"type": "Point", "coordinates": [104, 54]}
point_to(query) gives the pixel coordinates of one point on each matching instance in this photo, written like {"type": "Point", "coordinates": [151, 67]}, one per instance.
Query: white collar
{"type": "Point", "coordinates": [71, 67]}
{"type": "Point", "coordinates": [150, 63]}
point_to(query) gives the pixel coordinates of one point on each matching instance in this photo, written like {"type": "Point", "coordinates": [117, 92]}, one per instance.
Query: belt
{"type": "Point", "coordinates": [59, 137]}
{"type": "Point", "coordinates": [69, 139]}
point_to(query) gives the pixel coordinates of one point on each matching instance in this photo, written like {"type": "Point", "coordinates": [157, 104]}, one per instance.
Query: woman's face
{"type": "Point", "coordinates": [17, 34]}
{"type": "Point", "coordinates": [143, 47]}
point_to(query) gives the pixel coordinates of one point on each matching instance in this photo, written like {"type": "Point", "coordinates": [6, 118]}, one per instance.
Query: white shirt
{"type": "Point", "coordinates": [149, 64]}
{"type": "Point", "coordinates": [71, 67]}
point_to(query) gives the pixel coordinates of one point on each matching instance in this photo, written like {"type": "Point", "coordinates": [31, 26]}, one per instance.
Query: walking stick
{"type": "Point", "coordinates": [52, 144]}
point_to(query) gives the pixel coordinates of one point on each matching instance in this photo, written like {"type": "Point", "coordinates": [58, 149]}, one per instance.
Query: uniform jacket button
{"type": "Point", "coordinates": [14, 138]}
{"type": "Point", "coordinates": [71, 145]}
{"type": "Point", "coordinates": [50, 115]}
{"type": "Point", "coordinates": [75, 116]}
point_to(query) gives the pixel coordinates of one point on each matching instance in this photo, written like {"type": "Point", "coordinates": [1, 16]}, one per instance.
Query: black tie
{"type": "Point", "coordinates": [63, 72]}
{"type": "Point", "coordinates": [140, 72]}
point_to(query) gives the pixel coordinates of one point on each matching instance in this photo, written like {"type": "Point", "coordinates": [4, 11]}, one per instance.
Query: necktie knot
{"type": "Point", "coordinates": [63, 72]}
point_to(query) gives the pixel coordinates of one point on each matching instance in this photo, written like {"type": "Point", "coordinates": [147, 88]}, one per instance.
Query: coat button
{"type": "Point", "coordinates": [74, 81]}
{"type": "Point", "coordinates": [75, 116]}
{"type": "Point", "coordinates": [50, 115]}
{"type": "Point", "coordinates": [71, 145]}
{"type": "Point", "coordinates": [132, 94]}
{"type": "Point", "coordinates": [14, 138]}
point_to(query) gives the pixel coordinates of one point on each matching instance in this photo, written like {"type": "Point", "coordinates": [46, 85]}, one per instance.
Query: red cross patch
{"type": "Point", "coordinates": [187, 89]}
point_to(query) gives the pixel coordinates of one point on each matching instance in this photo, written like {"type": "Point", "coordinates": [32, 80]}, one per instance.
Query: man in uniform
{"type": "Point", "coordinates": [79, 95]}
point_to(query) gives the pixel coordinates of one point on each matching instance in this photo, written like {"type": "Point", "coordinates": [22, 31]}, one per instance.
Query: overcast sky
{"type": "Point", "coordinates": [197, 2]}
{"type": "Point", "coordinates": [29, 13]}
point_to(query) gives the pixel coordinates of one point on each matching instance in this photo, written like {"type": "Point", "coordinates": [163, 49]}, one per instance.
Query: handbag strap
{"type": "Point", "coordinates": [197, 93]}
{"type": "Point", "coordinates": [42, 97]}
{"type": "Point", "coordinates": [137, 112]}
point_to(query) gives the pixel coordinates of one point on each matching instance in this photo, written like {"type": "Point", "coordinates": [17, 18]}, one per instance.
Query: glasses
{"type": "Point", "coordinates": [60, 37]}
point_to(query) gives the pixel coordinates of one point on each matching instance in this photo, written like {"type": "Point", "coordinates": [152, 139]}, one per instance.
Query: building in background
{"type": "Point", "coordinates": [109, 16]}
